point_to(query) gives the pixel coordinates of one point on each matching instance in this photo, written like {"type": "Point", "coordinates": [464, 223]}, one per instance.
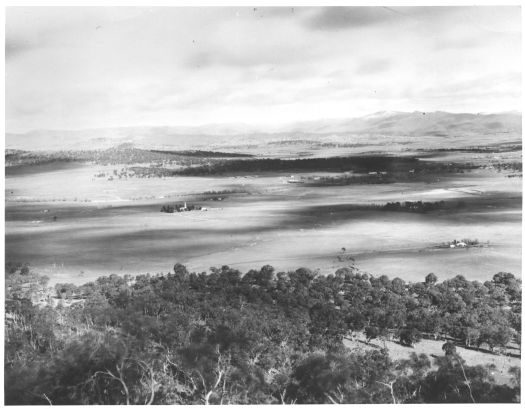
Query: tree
{"type": "Point", "coordinates": [495, 336]}
{"type": "Point", "coordinates": [431, 279]}
{"type": "Point", "coordinates": [449, 348]}
{"type": "Point", "coordinates": [66, 290]}
{"type": "Point", "coordinates": [373, 332]}
{"type": "Point", "coordinates": [455, 382]}
{"type": "Point", "coordinates": [409, 336]}
{"type": "Point", "coordinates": [327, 326]}
{"type": "Point", "coordinates": [398, 286]}
{"type": "Point", "coordinates": [344, 378]}
{"type": "Point", "coordinates": [180, 271]}
{"type": "Point", "coordinates": [408, 375]}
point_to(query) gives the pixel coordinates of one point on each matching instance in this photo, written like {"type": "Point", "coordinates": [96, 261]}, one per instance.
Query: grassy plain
{"type": "Point", "coordinates": [74, 227]}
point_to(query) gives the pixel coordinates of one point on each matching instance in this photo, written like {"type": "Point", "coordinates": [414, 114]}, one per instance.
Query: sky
{"type": "Point", "coordinates": [97, 67]}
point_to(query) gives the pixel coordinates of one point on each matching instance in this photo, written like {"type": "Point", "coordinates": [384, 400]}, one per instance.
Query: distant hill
{"type": "Point", "coordinates": [396, 124]}
{"type": "Point", "coordinates": [417, 124]}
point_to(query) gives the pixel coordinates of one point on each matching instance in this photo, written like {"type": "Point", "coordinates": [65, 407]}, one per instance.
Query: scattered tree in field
{"type": "Point", "coordinates": [449, 348]}
{"type": "Point", "coordinates": [409, 336]}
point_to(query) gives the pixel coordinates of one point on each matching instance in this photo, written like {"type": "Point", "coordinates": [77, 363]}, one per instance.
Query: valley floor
{"type": "Point", "coordinates": [73, 227]}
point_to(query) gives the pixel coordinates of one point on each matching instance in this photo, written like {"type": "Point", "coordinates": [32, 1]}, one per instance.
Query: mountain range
{"type": "Point", "coordinates": [506, 125]}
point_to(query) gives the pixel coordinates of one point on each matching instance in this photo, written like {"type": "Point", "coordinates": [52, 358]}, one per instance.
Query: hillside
{"type": "Point", "coordinates": [419, 124]}
{"type": "Point", "coordinates": [265, 337]}
{"type": "Point", "coordinates": [384, 124]}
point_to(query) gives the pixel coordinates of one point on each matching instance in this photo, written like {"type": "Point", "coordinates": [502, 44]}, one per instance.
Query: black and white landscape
{"type": "Point", "coordinates": [263, 205]}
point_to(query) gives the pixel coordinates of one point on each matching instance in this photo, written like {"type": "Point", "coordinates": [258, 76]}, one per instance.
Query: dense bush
{"type": "Point", "coordinates": [261, 337]}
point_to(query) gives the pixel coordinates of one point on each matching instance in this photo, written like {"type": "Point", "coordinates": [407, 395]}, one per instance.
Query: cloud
{"type": "Point", "coordinates": [99, 67]}
{"type": "Point", "coordinates": [334, 18]}
{"type": "Point", "coordinates": [457, 43]}
{"type": "Point", "coordinates": [272, 12]}
{"type": "Point", "coordinates": [16, 47]}
{"type": "Point", "coordinates": [200, 59]}
{"type": "Point", "coordinates": [246, 58]}
{"type": "Point", "coordinates": [32, 28]}
{"type": "Point", "coordinates": [373, 66]}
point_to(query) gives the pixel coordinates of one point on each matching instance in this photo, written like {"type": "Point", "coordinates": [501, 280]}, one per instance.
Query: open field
{"type": "Point", "coordinates": [73, 226]}
{"type": "Point", "coordinates": [433, 348]}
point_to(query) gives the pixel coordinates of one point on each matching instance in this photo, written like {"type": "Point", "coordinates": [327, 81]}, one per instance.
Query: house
{"type": "Point", "coordinates": [461, 244]}
{"type": "Point", "coordinates": [294, 180]}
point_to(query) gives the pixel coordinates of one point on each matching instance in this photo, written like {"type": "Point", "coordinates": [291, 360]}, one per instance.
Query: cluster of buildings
{"type": "Point", "coordinates": [179, 208]}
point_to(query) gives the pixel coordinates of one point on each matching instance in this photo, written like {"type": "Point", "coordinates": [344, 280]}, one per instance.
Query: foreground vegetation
{"type": "Point", "coordinates": [264, 337]}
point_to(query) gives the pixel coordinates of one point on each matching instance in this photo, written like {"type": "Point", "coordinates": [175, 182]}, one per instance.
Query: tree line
{"type": "Point", "coordinates": [336, 163]}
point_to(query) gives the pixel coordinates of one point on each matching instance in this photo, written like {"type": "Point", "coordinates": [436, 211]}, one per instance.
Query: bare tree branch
{"type": "Point", "coordinates": [331, 399]}
{"type": "Point", "coordinates": [49, 400]}
{"type": "Point", "coordinates": [467, 382]}
{"type": "Point", "coordinates": [391, 387]}
{"type": "Point", "coordinates": [120, 379]}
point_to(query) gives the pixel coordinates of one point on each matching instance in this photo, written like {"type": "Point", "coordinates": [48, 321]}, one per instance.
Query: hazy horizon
{"type": "Point", "coordinates": [262, 127]}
